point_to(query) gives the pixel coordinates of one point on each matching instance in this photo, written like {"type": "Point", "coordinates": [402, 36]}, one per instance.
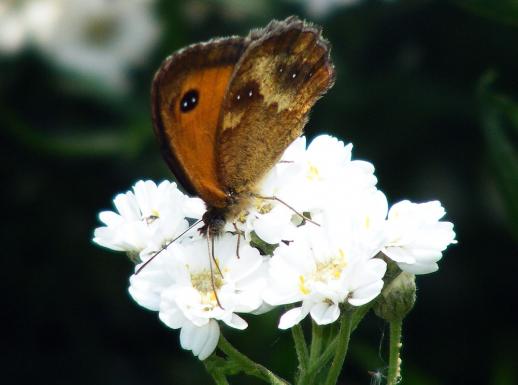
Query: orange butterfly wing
{"type": "Point", "coordinates": [187, 94]}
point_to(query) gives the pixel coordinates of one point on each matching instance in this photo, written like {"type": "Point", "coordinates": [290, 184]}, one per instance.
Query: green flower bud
{"type": "Point", "coordinates": [397, 298]}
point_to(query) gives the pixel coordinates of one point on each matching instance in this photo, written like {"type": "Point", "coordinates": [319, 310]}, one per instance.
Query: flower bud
{"type": "Point", "coordinates": [397, 298]}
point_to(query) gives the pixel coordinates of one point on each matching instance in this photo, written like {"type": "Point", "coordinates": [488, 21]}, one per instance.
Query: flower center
{"type": "Point", "coordinates": [206, 282]}
{"type": "Point", "coordinates": [263, 206]}
{"type": "Point", "coordinates": [241, 217]}
{"type": "Point", "coordinates": [152, 217]}
{"type": "Point", "coordinates": [100, 29]}
{"type": "Point", "coordinates": [313, 173]}
{"type": "Point", "coordinates": [325, 271]}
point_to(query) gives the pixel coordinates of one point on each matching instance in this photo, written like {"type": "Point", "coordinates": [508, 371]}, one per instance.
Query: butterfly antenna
{"type": "Point", "coordinates": [274, 198]}
{"type": "Point", "coordinates": [166, 246]}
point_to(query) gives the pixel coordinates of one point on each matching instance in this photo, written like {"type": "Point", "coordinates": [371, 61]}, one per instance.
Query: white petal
{"type": "Point", "coordinates": [418, 268]}
{"type": "Point", "coordinates": [292, 317]}
{"type": "Point", "coordinates": [366, 293]}
{"type": "Point", "coordinates": [236, 322]}
{"type": "Point", "coordinates": [194, 208]}
{"type": "Point", "coordinates": [324, 313]}
{"type": "Point", "coordinates": [211, 341]}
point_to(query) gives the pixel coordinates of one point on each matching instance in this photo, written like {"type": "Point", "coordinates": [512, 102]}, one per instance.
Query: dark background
{"type": "Point", "coordinates": [426, 90]}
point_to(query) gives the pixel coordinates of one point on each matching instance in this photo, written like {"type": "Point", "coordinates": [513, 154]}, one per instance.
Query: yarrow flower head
{"type": "Point", "coordinates": [146, 218]}
{"type": "Point", "coordinates": [416, 237]}
{"type": "Point", "coordinates": [191, 293]}
{"type": "Point", "coordinates": [322, 271]}
{"type": "Point", "coordinates": [318, 233]}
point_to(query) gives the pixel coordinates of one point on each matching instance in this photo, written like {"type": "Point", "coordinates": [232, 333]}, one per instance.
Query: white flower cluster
{"type": "Point", "coordinates": [99, 39]}
{"type": "Point", "coordinates": [322, 263]}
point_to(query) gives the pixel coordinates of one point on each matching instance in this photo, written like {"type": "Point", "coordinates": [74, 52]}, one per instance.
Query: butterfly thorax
{"type": "Point", "coordinates": [215, 218]}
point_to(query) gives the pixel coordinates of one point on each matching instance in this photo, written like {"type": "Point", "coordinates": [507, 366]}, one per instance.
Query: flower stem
{"type": "Point", "coordinates": [341, 349]}
{"type": "Point", "coordinates": [217, 375]}
{"type": "Point", "coordinates": [320, 362]}
{"type": "Point", "coordinates": [393, 376]}
{"type": "Point", "coordinates": [247, 365]}
{"type": "Point", "coordinates": [316, 341]}
{"type": "Point", "coordinates": [300, 347]}
{"type": "Point", "coordinates": [306, 377]}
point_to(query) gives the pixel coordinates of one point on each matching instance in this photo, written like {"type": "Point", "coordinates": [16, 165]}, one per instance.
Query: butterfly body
{"type": "Point", "coordinates": [224, 111]}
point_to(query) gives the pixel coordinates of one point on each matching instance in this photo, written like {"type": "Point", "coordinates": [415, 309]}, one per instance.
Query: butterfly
{"type": "Point", "coordinates": [225, 110]}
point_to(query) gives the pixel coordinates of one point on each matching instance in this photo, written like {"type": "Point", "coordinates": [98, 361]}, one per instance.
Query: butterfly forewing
{"type": "Point", "coordinates": [187, 94]}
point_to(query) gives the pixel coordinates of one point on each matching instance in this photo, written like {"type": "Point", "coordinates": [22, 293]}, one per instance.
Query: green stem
{"type": "Point", "coordinates": [217, 375]}
{"type": "Point", "coordinates": [341, 350]}
{"type": "Point", "coordinates": [323, 359]}
{"type": "Point", "coordinates": [393, 376]}
{"type": "Point", "coordinates": [317, 336]}
{"type": "Point", "coordinates": [247, 365]}
{"type": "Point", "coordinates": [316, 341]}
{"type": "Point", "coordinates": [300, 347]}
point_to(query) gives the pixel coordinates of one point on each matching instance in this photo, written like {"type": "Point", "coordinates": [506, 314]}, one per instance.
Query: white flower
{"type": "Point", "coordinates": [102, 39]}
{"type": "Point", "coordinates": [191, 293]}
{"type": "Point", "coordinates": [13, 32]}
{"type": "Point", "coordinates": [416, 236]}
{"type": "Point", "coordinates": [321, 8]}
{"type": "Point", "coordinates": [321, 265]}
{"type": "Point", "coordinates": [323, 269]}
{"type": "Point", "coordinates": [146, 218]}
{"type": "Point", "coordinates": [319, 178]}
{"type": "Point", "coordinates": [29, 21]}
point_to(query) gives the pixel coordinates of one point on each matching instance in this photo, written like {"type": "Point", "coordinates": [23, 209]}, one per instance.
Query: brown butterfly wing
{"type": "Point", "coordinates": [285, 69]}
{"type": "Point", "coordinates": [187, 135]}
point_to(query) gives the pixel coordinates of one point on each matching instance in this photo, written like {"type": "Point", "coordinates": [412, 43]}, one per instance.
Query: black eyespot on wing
{"type": "Point", "coordinates": [189, 100]}
{"type": "Point", "coordinates": [248, 93]}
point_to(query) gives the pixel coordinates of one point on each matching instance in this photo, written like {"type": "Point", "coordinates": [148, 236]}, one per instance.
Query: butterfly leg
{"type": "Point", "coordinates": [212, 260]}
{"type": "Point", "coordinates": [274, 198]}
{"type": "Point", "coordinates": [238, 232]}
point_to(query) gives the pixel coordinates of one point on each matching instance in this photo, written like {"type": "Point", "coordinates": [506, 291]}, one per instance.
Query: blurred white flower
{"type": "Point", "coordinates": [146, 218]}
{"type": "Point", "coordinates": [321, 8]}
{"type": "Point", "coordinates": [102, 39]}
{"type": "Point", "coordinates": [98, 39]}
{"type": "Point", "coordinates": [24, 22]}
{"type": "Point", "coordinates": [416, 237]}
{"type": "Point", "coordinates": [191, 293]}
{"type": "Point", "coordinates": [13, 33]}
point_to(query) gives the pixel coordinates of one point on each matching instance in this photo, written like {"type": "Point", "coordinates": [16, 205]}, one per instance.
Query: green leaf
{"type": "Point", "coordinates": [499, 115]}
{"type": "Point", "coordinates": [262, 246]}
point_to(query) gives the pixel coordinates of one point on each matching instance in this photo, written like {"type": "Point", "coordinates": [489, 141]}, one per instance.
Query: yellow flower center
{"type": "Point", "coordinates": [153, 217]}
{"type": "Point", "coordinates": [367, 222]}
{"type": "Point", "coordinates": [326, 271]}
{"type": "Point", "coordinates": [241, 217]}
{"type": "Point", "coordinates": [101, 29]}
{"type": "Point", "coordinates": [206, 283]}
{"type": "Point", "coordinates": [313, 173]}
{"type": "Point", "coordinates": [263, 206]}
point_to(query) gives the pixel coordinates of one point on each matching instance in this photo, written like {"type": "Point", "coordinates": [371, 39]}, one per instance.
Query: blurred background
{"type": "Point", "coordinates": [426, 90]}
